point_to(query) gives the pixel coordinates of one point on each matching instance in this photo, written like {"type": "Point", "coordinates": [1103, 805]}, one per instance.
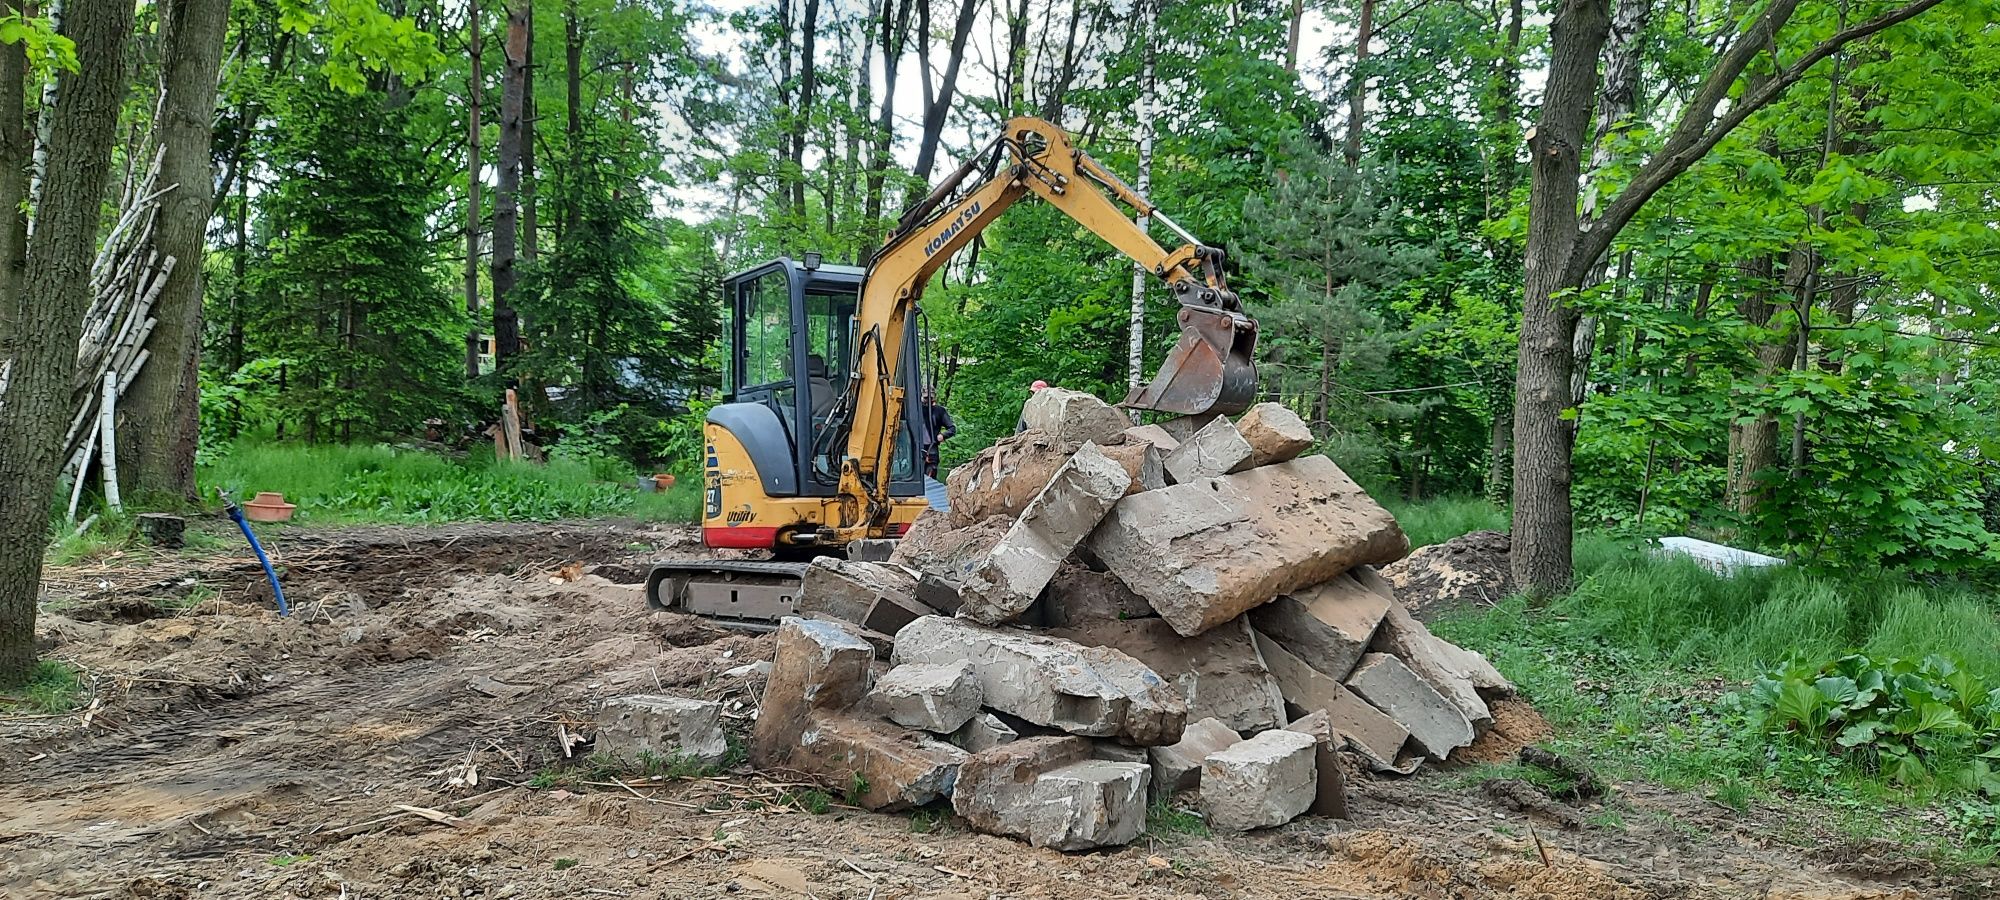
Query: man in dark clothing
{"type": "Point", "coordinates": [938, 428]}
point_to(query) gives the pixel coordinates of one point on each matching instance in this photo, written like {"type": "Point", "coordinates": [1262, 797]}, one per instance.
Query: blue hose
{"type": "Point", "coordinates": [235, 512]}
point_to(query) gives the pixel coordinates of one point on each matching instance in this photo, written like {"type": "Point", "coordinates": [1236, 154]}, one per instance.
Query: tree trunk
{"type": "Point", "coordinates": [1357, 82]}
{"type": "Point", "coordinates": [573, 118]}
{"type": "Point", "coordinates": [894, 34]}
{"type": "Point", "coordinates": [1295, 24]}
{"type": "Point", "coordinates": [1617, 110]}
{"type": "Point", "coordinates": [1542, 439]}
{"type": "Point", "coordinates": [475, 162]}
{"type": "Point", "coordinates": [506, 197]}
{"type": "Point", "coordinates": [940, 102]}
{"type": "Point", "coordinates": [802, 119]}
{"type": "Point", "coordinates": [15, 151]}
{"type": "Point", "coordinates": [530, 118]}
{"type": "Point", "coordinates": [162, 408]}
{"type": "Point", "coordinates": [57, 275]}
{"type": "Point", "coordinates": [1135, 370]}
{"type": "Point", "coordinates": [1499, 451]}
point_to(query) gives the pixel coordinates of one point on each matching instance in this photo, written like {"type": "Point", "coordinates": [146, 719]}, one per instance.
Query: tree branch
{"type": "Point", "coordinates": [1698, 130]}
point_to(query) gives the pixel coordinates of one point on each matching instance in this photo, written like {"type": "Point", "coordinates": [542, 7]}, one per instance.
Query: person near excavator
{"type": "Point", "coordinates": [1021, 424]}
{"type": "Point", "coordinates": [938, 428]}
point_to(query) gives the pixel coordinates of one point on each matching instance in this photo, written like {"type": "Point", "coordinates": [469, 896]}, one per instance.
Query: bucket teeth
{"type": "Point", "coordinates": [1212, 369]}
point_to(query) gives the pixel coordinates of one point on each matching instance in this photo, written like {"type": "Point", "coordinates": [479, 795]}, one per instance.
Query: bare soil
{"type": "Point", "coordinates": [402, 736]}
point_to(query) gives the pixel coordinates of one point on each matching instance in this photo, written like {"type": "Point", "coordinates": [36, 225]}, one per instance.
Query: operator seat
{"type": "Point", "coordinates": [818, 388]}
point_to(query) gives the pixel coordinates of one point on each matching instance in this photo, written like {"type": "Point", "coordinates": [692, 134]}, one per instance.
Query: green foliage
{"type": "Point", "coordinates": [49, 52]}
{"type": "Point", "coordinates": [53, 687]}
{"type": "Point", "coordinates": [1440, 519]}
{"type": "Point", "coordinates": [1911, 720]}
{"type": "Point", "coordinates": [286, 859]}
{"type": "Point", "coordinates": [565, 862]}
{"type": "Point", "coordinates": [333, 484]}
{"type": "Point", "coordinates": [814, 801]}
{"type": "Point", "coordinates": [1164, 818]}
{"type": "Point", "coordinates": [360, 38]}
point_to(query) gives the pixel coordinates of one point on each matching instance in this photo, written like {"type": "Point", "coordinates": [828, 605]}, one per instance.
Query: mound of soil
{"type": "Point", "coordinates": [1471, 569]}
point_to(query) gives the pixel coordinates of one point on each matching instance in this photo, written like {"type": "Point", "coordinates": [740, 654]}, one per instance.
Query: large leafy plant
{"type": "Point", "coordinates": [1917, 722]}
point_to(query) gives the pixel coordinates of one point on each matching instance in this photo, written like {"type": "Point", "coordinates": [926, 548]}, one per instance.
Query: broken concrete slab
{"type": "Point", "coordinates": [935, 697]}
{"type": "Point", "coordinates": [1180, 428]}
{"type": "Point", "coordinates": [848, 590]}
{"type": "Point", "coordinates": [819, 664]}
{"type": "Point", "coordinates": [938, 592]}
{"type": "Point", "coordinates": [1093, 691]}
{"type": "Point", "coordinates": [934, 545]}
{"type": "Point", "coordinates": [1073, 417]}
{"type": "Point", "coordinates": [1367, 730]}
{"type": "Point", "coordinates": [1435, 724]}
{"type": "Point", "coordinates": [1205, 552]}
{"type": "Point", "coordinates": [1004, 478]}
{"type": "Point", "coordinates": [1177, 767]}
{"type": "Point", "coordinates": [1274, 433]}
{"type": "Point", "coordinates": [1219, 671]}
{"type": "Point", "coordinates": [1049, 792]}
{"type": "Point", "coordinates": [1155, 435]}
{"type": "Point", "coordinates": [1405, 638]}
{"type": "Point", "coordinates": [1217, 449]}
{"type": "Point", "coordinates": [663, 727]}
{"type": "Point", "coordinates": [1078, 596]}
{"type": "Point", "coordinates": [871, 549]}
{"type": "Point", "coordinates": [1263, 782]}
{"type": "Point", "coordinates": [1328, 625]}
{"type": "Point", "coordinates": [1473, 667]}
{"type": "Point", "coordinates": [983, 732]}
{"type": "Point", "coordinates": [1013, 574]}
{"type": "Point", "coordinates": [1330, 799]}
{"type": "Point", "coordinates": [1115, 752]}
{"type": "Point", "coordinates": [896, 768]}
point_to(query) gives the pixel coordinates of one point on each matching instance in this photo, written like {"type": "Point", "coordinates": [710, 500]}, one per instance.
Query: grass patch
{"type": "Point", "coordinates": [335, 484]}
{"type": "Point", "coordinates": [1631, 667]}
{"type": "Point", "coordinates": [53, 687]}
{"type": "Point", "coordinates": [814, 801]}
{"type": "Point", "coordinates": [1163, 818]}
{"type": "Point", "coordinates": [1441, 519]}
{"type": "Point", "coordinates": [108, 533]}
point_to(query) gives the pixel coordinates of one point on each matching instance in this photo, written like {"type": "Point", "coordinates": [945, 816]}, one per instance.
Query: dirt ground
{"type": "Point", "coordinates": [402, 734]}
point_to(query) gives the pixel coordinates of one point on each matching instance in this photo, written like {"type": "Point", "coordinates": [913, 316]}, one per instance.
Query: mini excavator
{"type": "Point", "coordinates": [816, 448]}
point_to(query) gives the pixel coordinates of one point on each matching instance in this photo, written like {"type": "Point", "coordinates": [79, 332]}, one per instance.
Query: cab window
{"type": "Point", "coordinates": [767, 332]}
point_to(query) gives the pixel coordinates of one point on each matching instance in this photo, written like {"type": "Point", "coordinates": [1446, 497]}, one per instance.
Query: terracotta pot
{"type": "Point", "coordinates": [268, 506]}
{"type": "Point", "coordinates": [663, 481]}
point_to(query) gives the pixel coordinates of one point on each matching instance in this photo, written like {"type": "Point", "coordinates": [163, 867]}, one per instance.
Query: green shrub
{"type": "Point", "coordinates": [1914, 721]}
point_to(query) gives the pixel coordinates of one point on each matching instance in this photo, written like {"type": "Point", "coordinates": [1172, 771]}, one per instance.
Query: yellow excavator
{"type": "Point", "coordinates": [815, 447]}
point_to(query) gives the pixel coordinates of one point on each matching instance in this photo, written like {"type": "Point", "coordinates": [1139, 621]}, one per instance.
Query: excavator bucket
{"type": "Point", "coordinates": [1212, 369]}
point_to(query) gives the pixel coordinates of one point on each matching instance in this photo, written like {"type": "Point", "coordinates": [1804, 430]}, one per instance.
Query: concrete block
{"type": "Point", "coordinates": [1177, 767]}
{"type": "Point", "coordinates": [1405, 638]}
{"type": "Point", "coordinates": [1330, 797]}
{"type": "Point", "coordinates": [1274, 433]}
{"type": "Point", "coordinates": [1366, 730]}
{"type": "Point", "coordinates": [939, 593]}
{"type": "Point", "coordinates": [662, 726]}
{"type": "Point", "coordinates": [901, 769]}
{"type": "Point", "coordinates": [1092, 691]}
{"type": "Point", "coordinates": [1004, 478]}
{"type": "Point", "coordinates": [1049, 792]}
{"type": "Point", "coordinates": [848, 590]}
{"type": "Point", "coordinates": [1145, 462]}
{"type": "Point", "coordinates": [935, 697]}
{"type": "Point", "coordinates": [1073, 417]}
{"type": "Point", "coordinates": [936, 546]}
{"type": "Point", "coordinates": [1217, 449]}
{"type": "Point", "coordinates": [1155, 435]}
{"type": "Point", "coordinates": [818, 664]}
{"type": "Point", "coordinates": [1435, 724]}
{"type": "Point", "coordinates": [1114, 752]}
{"type": "Point", "coordinates": [1263, 782]}
{"type": "Point", "coordinates": [1180, 428]}
{"type": "Point", "coordinates": [1205, 552]}
{"type": "Point", "coordinates": [1219, 671]}
{"type": "Point", "coordinates": [1328, 625]}
{"type": "Point", "coordinates": [1078, 596]}
{"type": "Point", "coordinates": [872, 550]}
{"type": "Point", "coordinates": [983, 732]}
{"type": "Point", "coordinates": [1007, 582]}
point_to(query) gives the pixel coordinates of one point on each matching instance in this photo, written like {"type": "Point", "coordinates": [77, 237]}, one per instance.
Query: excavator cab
{"type": "Point", "coordinates": [772, 468]}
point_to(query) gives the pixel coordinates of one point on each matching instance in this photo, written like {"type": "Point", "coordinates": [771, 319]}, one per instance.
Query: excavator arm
{"type": "Point", "coordinates": [1210, 369]}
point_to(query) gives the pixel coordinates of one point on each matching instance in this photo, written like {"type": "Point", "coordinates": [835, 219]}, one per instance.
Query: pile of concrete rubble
{"type": "Point", "coordinates": [1109, 615]}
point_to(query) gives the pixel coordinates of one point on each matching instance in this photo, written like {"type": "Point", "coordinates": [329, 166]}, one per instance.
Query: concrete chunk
{"type": "Point", "coordinates": [1093, 691]}
{"type": "Point", "coordinates": [1049, 792]}
{"type": "Point", "coordinates": [1263, 782]}
{"type": "Point", "coordinates": [1219, 671]}
{"type": "Point", "coordinates": [936, 546]}
{"type": "Point", "coordinates": [983, 732]}
{"type": "Point", "coordinates": [1145, 462]}
{"type": "Point", "coordinates": [850, 590]}
{"type": "Point", "coordinates": [1331, 797]}
{"type": "Point", "coordinates": [1004, 478]}
{"type": "Point", "coordinates": [1180, 428]}
{"type": "Point", "coordinates": [1155, 435]}
{"type": "Point", "coordinates": [1274, 433]}
{"type": "Point", "coordinates": [1217, 449]}
{"type": "Point", "coordinates": [1073, 417]}
{"type": "Point", "coordinates": [1367, 730]}
{"type": "Point", "coordinates": [935, 697]}
{"type": "Point", "coordinates": [1405, 638]}
{"type": "Point", "coordinates": [1328, 625]}
{"type": "Point", "coordinates": [1177, 767]}
{"type": "Point", "coordinates": [1204, 552]}
{"type": "Point", "coordinates": [662, 726]}
{"type": "Point", "coordinates": [1434, 723]}
{"type": "Point", "coordinates": [819, 664]}
{"type": "Point", "coordinates": [1007, 582]}
{"type": "Point", "coordinates": [899, 769]}
{"type": "Point", "coordinates": [1078, 596]}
